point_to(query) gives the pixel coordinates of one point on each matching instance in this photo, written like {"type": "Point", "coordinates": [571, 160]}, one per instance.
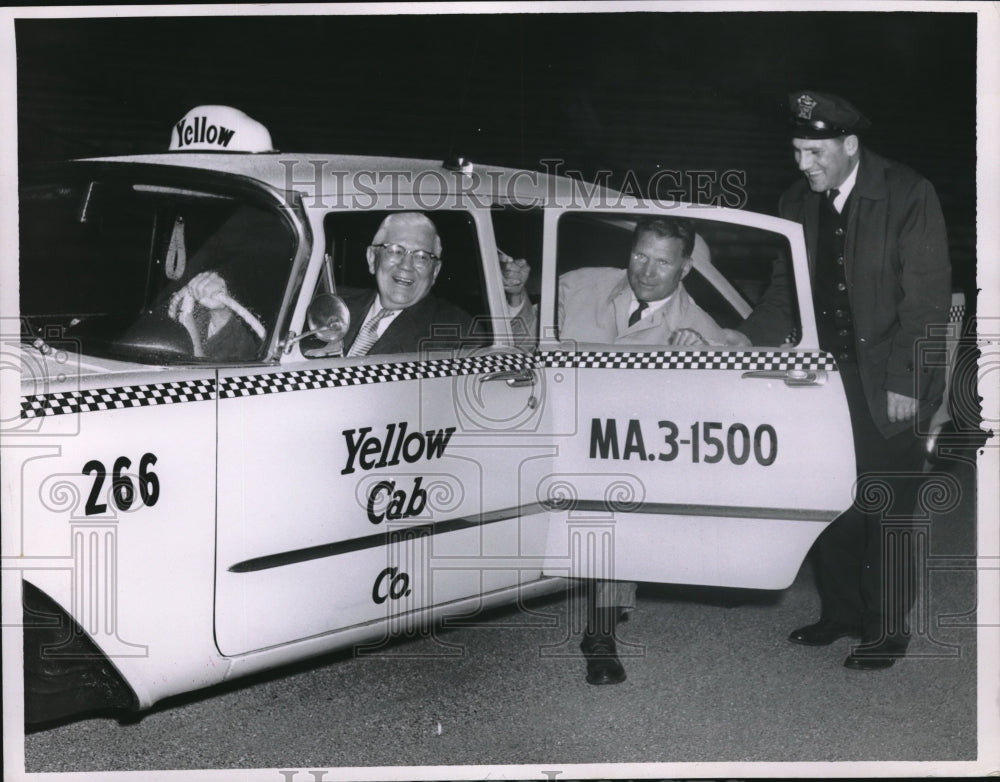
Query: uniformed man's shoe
{"type": "Point", "coordinates": [603, 665]}
{"type": "Point", "coordinates": [823, 633]}
{"type": "Point", "coordinates": [874, 656]}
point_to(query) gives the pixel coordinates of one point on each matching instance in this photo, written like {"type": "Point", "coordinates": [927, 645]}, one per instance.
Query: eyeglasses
{"type": "Point", "coordinates": [394, 253]}
{"type": "Point", "coordinates": [663, 262]}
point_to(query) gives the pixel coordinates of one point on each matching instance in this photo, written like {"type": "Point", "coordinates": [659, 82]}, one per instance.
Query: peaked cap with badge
{"type": "Point", "coordinates": [820, 115]}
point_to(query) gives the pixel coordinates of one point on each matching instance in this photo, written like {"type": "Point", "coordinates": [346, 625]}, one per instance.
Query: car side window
{"type": "Point", "coordinates": [728, 294]}
{"type": "Point", "coordinates": [453, 315]}
{"type": "Point", "coordinates": [757, 265]}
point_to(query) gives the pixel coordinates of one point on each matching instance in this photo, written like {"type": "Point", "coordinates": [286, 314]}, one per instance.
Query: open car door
{"type": "Point", "coordinates": [696, 465]}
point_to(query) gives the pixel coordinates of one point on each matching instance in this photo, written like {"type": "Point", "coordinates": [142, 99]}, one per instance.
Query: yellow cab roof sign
{"type": "Point", "coordinates": [219, 129]}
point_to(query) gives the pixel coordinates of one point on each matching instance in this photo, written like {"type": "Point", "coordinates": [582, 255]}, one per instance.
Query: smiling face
{"type": "Point", "coordinates": [656, 266]}
{"type": "Point", "coordinates": [404, 282]}
{"type": "Point", "coordinates": [825, 163]}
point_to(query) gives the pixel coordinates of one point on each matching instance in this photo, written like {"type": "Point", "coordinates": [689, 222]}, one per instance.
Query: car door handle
{"type": "Point", "coordinates": [515, 378]}
{"type": "Point", "coordinates": [792, 377]}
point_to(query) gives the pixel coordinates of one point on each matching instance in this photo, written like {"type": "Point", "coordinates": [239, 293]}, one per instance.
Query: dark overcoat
{"type": "Point", "coordinates": [899, 282]}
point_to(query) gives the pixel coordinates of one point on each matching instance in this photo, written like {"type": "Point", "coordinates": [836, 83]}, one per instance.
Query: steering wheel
{"type": "Point", "coordinates": [245, 315]}
{"type": "Point", "coordinates": [208, 290]}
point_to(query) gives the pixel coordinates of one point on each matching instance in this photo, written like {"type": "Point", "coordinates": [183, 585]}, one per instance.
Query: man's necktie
{"type": "Point", "coordinates": [368, 334]}
{"type": "Point", "coordinates": [831, 197]}
{"type": "Point", "coordinates": [635, 316]}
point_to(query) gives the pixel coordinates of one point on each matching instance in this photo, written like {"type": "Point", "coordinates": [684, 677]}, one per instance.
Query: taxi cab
{"type": "Point", "coordinates": [189, 516]}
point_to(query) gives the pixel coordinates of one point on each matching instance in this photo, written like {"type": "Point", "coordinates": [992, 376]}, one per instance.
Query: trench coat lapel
{"type": "Point", "coordinates": [621, 297]}
{"type": "Point", "coordinates": [810, 224]}
{"type": "Point", "coordinates": [868, 208]}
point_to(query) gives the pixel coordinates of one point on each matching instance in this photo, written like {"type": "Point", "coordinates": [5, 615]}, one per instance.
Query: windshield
{"type": "Point", "coordinates": [140, 271]}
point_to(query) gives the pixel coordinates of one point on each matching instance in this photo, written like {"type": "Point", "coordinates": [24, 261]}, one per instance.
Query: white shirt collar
{"type": "Point", "coordinates": [845, 188]}
{"type": "Point", "coordinates": [653, 305]}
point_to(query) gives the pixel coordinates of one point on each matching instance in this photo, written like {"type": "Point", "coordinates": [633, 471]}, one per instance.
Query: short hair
{"type": "Point", "coordinates": [668, 228]}
{"type": "Point", "coordinates": [411, 219]}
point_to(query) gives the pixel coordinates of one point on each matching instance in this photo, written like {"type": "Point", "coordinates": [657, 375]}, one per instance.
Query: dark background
{"type": "Point", "coordinates": [621, 92]}
{"type": "Point", "coordinates": [624, 92]}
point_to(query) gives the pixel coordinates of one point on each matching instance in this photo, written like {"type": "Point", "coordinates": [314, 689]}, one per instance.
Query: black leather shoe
{"type": "Point", "coordinates": [603, 665]}
{"type": "Point", "coordinates": [874, 656]}
{"type": "Point", "coordinates": [823, 633]}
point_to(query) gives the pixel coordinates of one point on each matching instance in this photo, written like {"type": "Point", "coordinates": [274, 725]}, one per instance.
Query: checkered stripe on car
{"type": "Point", "coordinates": [734, 359]}
{"type": "Point", "coordinates": [62, 402]}
{"type": "Point", "coordinates": [332, 377]}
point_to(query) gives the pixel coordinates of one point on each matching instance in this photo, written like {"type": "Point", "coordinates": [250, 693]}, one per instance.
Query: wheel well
{"type": "Point", "coordinates": [65, 673]}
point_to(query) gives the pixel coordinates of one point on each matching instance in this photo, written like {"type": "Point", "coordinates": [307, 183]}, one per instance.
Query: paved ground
{"type": "Point", "coordinates": [710, 681]}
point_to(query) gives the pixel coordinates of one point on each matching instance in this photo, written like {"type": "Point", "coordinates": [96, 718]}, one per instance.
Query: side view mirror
{"type": "Point", "coordinates": [327, 319]}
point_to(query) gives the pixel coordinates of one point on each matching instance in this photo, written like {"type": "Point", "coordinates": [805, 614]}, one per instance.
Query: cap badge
{"type": "Point", "coordinates": [806, 105]}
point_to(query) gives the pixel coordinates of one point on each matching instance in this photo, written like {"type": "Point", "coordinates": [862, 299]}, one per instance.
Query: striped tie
{"type": "Point", "coordinates": [636, 316]}
{"type": "Point", "coordinates": [368, 334]}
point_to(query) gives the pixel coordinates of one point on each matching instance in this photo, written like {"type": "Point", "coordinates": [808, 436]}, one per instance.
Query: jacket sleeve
{"type": "Point", "coordinates": [524, 322]}
{"type": "Point", "coordinates": [924, 273]}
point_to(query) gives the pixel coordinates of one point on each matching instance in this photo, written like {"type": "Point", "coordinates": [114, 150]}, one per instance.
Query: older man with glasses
{"type": "Point", "coordinates": [405, 259]}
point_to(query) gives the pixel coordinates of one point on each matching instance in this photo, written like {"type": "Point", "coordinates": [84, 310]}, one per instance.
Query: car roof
{"type": "Point", "coordinates": [365, 175]}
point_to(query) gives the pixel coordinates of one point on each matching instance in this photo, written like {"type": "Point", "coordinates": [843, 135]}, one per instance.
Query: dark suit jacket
{"type": "Point", "coordinates": [899, 280]}
{"type": "Point", "coordinates": [431, 322]}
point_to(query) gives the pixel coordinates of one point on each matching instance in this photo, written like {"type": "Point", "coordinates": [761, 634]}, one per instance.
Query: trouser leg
{"type": "Point", "coordinates": [608, 594]}
{"type": "Point", "coordinates": [598, 644]}
{"type": "Point", "coordinates": [862, 561]}
{"type": "Point", "coordinates": [888, 581]}
{"type": "Point", "coordinates": [836, 559]}
{"type": "Point", "coordinates": [838, 554]}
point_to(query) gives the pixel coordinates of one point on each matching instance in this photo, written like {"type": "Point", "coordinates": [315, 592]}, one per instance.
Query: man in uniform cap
{"type": "Point", "coordinates": [880, 274]}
